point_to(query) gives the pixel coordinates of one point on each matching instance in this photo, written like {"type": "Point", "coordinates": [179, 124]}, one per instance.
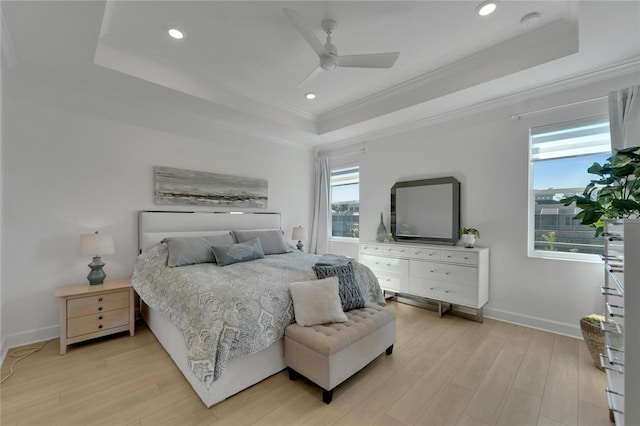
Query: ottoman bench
{"type": "Point", "coordinates": [328, 354]}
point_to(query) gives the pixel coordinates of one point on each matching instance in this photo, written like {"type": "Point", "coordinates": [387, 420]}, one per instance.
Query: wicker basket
{"type": "Point", "coordinates": [594, 338]}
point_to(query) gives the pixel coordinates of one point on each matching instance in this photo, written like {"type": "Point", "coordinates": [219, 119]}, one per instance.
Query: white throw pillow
{"type": "Point", "coordinates": [317, 302]}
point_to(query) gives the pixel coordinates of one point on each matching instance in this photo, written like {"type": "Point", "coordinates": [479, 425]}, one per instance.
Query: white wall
{"type": "Point", "coordinates": [81, 159]}
{"type": "Point", "coordinates": [488, 153]}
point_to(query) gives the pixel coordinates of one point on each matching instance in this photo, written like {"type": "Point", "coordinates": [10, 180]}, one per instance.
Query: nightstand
{"type": "Point", "coordinates": [90, 311]}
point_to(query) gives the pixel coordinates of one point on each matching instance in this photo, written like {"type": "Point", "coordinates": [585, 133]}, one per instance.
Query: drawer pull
{"type": "Point", "coordinates": [100, 317]}
{"type": "Point", "coordinates": [99, 308]}
{"type": "Point", "coordinates": [439, 289]}
{"type": "Point", "coordinates": [611, 312]}
{"type": "Point", "coordinates": [100, 326]}
{"type": "Point", "coordinates": [402, 251]}
{"type": "Point", "coordinates": [605, 365]}
{"type": "Point", "coordinates": [610, 394]}
{"type": "Point", "coordinates": [99, 299]}
{"type": "Point", "coordinates": [610, 291]}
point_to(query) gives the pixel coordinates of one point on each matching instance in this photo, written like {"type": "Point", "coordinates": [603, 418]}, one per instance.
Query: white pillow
{"type": "Point", "coordinates": [317, 302]}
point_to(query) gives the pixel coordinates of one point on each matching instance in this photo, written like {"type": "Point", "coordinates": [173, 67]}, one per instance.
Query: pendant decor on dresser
{"type": "Point", "coordinates": [179, 186]}
{"type": "Point", "coordinates": [381, 235]}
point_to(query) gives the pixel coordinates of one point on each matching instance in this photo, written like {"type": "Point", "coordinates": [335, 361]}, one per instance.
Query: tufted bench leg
{"type": "Point", "coordinates": [328, 354]}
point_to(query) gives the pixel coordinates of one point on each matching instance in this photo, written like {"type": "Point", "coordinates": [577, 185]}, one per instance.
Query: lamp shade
{"type": "Point", "coordinates": [96, 244]}
{"type": "Point", "coordinates": [299, 233]}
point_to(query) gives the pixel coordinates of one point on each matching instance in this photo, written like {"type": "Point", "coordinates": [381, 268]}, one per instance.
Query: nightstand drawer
{"type": "Point", "coordinates": [98, 303]}
{"type": "Point", "coordinates": [98, 322]}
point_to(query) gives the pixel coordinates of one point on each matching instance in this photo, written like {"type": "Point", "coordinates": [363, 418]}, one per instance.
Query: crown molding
{"type": "Point", "coordinates": [498, 61]}
{"type": "Point", "coordinates": [627, 68]}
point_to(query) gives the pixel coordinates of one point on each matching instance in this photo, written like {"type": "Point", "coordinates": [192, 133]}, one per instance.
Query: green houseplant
{"type": "Point", "coordinates": [469, 236]}
{"type": "Point", "coordinates": [614, 194]}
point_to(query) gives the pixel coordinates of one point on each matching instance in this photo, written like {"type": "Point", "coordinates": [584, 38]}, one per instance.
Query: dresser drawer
{"type": "Point", "coordinates": [389, 281]}
{"type": "Point", "coordinates": [445, 292]}
{"type": "Point", "coordinates": [380, 263]}
{"type": "Point", "coordinates": [97, 322]}
{"type": "Point", "coordinates": [468, 258]}
{"type": "Point", "coordinates": [384, 250]}
{"type": "Point", "coordinates": [95, 304]}
{"type": "Point", "coordinates": [425, 254]}
{"type": "Point", "coordinates": [458, 274]}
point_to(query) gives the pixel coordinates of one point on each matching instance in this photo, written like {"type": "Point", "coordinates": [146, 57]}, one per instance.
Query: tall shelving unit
{"type": "Point", "coordinates": [621, 290]}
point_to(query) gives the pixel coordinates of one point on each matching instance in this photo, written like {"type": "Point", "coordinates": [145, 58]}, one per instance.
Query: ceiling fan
{"type": "Point", "coordinates": [328, 53]}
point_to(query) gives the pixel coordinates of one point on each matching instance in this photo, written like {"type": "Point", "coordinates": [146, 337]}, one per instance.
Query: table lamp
{"type": "Point", "coordinates": [96, 245]}
{"type": "Point", "coordinates": [299, 233]}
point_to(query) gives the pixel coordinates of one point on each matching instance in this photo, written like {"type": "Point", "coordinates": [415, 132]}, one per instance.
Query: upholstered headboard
{"type": "Point", "coordinates": [157, 225]}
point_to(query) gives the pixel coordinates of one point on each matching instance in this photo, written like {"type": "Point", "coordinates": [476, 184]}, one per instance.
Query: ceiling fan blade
{"type": "Point", "coordinates": [372, 60]}
{"type": "Point", "coordinates": [316, 71]}
{"type": "Point", "coordinates": [306, 31]}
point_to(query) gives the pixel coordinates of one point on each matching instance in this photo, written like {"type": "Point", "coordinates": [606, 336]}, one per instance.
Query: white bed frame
{"type": "Point", "coordinates": [241, 372]}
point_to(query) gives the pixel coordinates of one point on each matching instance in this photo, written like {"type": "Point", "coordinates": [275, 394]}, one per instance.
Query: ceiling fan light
{"type": "Point", "coordinates": [310, 95]}
{"type": "Point", "coordinates": [175, 33]}
{"type": "Point", "coordinates": [486, 8]}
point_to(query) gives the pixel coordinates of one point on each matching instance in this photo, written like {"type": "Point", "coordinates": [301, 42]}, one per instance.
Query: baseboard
{"type": "Point", "coordinates": [571, 330]}
{"type": "Point", "coordinates": [3, 350]}
{"type": "Point", "coordinates": [28, 337]}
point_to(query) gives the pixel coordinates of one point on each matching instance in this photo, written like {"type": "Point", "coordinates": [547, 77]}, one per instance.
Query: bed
{"type": "Point", "coordinates": [222, 354]}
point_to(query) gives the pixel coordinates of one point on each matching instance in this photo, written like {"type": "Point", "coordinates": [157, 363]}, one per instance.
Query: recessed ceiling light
{"type": "Point", "coordinates": [486, 8]}
{"type": "Point", "coordinates": [310, 95]}
{"type": "Point", "coordinates": [175, 33]}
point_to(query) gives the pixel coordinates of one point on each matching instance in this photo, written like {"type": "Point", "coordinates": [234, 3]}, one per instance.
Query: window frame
{"type": "Point", "coordinates": [332, 168]}
{"type": "Point", "coordinates": [531, 200]}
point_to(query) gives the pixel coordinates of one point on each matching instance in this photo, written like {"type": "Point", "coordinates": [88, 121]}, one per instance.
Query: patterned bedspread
{"type": "Point", "coordinates": [231, 311]}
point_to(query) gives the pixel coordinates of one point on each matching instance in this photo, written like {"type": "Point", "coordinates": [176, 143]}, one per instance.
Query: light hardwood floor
{"type": "Point", "coordinates": [447, 371]}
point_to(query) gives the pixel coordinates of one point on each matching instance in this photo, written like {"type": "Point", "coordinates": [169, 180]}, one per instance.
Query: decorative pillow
{"type": "Point", "coordinates": [317, 302]}
{"type": "Point", "coordinates": [234, 253]}
{"type": "Point", "coordinates": [272, 240]}
{"type": "Point", "coordinates": [350, 294]}
{"type": "Point", "coordinates": [191, 250]}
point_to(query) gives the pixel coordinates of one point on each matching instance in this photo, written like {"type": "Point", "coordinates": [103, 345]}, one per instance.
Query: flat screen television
{"type": "Point", "coordinates": [426, 210]}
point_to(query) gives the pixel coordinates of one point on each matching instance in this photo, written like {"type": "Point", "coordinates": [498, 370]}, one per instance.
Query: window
{"type": "Point", "coordinates": [560, 155]}
{"type": "Point", "coordinates": [345, 202]}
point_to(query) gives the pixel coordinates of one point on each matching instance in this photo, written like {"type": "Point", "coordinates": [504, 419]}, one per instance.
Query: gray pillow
{"type": "Point", "coordinates": [234, 253]}
{"type": "Point", "coordinates": [316, 302]}
{"type": "Point", "coordinates": [271, 240]}
{"type": "Point", "coordinates": [192, 250]}
{"type": "Point", "coordinates": [350, 294]}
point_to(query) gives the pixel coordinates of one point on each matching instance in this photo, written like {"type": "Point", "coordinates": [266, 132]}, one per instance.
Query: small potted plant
{"type": "Point", "coordinates": [469, 236]}
{"type": "Point", "coordinates": [593, 336]}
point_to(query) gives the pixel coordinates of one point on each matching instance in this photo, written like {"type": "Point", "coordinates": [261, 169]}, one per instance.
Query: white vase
{"type": "Point", "coordinates": [468, 240]}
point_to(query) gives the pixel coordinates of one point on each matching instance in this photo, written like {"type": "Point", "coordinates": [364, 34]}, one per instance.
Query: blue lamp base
{"type": "Point", "coordinates": [300, 245]}
{"type": "Point", "coordinates": [97, 275]}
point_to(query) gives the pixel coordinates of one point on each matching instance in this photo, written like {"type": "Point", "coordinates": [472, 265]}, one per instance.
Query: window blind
{"type": "Point", "coordinates": [582, 137]}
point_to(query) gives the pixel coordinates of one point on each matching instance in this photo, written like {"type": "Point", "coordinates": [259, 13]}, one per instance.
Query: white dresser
{"type": "Point", "coordinates": [450, 274]}
{"type": "Point", "coordinates": [621, 358]}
